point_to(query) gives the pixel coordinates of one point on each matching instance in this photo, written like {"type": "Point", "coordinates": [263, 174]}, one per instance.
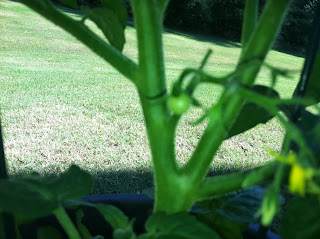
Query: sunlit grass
{"type": "Point", "coordinates": [60, 104]}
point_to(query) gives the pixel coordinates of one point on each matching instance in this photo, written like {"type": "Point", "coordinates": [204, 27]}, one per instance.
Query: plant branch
{"type": "Point", "coordinates": [80, 31]}
{"type": "Point", "coordinates": [235, 181]}
{"type": "Point", "coordinates": [164, 4]}
{"type": "Point", "coordinates": [217, 129]}
{"type": "Point", "coordinates": [148, 22]}
{"type": "Point", "coordinates": [250, 20]}
{"type": "Point", "coordinates": [66, 223]}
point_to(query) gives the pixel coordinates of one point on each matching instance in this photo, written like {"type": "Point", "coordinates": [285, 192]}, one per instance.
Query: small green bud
{"type": "Point", "coordinates": [270, 206]}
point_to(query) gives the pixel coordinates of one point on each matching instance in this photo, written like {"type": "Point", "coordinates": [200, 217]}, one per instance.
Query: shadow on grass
{"type": "Point", "coordinates": [122, 181]}
{"type": "Point", "coordinates": [127, 181]}
{"type": "Point", "coordinates": [203, 37]}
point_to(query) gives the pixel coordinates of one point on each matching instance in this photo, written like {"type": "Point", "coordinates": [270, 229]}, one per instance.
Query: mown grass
{"type": "Point", "coordinates": [60, 104]}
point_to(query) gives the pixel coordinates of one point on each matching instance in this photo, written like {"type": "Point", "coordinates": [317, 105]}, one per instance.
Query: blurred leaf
{"type": "Point", "coordinates": [182, 226]}
{"type": "Point", "coordinates": [252, 114]}
{"type": "Point", "coordinates": [242, 206]}
{"type": "Point", "coordinates": [119, 8]}
{"type": "Point", "coordinates": [124, 233]}
{"type": "Point", "coordinates": [228, 229]}
{"type": "Point", "coordinates": [113, 215]}
{"type": "Point", "coordinates": [23, 200]}
{"type": "Point", "coordinates": [70, 3]}
{"type": "Point", "coordinates": [302, 219]}
{"type": "Point", "coordinates": [109, 23]}
{"type": "Point", "coordinates": [49, 232]}
{"type": "Point", "coordinates": [72, 184]}
{"type": "Point", "coordinates": [309, 125]}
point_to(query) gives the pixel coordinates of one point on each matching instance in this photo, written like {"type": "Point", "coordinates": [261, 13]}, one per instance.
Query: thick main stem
{"type": "Point", "coordinates": [152, 91]}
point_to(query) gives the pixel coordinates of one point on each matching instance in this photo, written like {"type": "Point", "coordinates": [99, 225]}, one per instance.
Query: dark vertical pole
{"type": "Point", "coordinates": [3, 169]}
{"type": "Point", "coordinates": [7, 218]}
{"type": "Point", "coordinates": [312, 49]}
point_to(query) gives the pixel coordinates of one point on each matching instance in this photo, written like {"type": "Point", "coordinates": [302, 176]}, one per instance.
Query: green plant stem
{"type": "Point", "coordinates": [228, 183]}
{"type": "Point", "coordinates": [250, 20]}
{"type": "Point", "coordinates": [66, 223]}
{"type": "Point", "coordinates": [152, 92]}
{"type": "Point", "coordinates": [148, 22]}
{"type": "Point", "coordinates": [216, 131]}
{"type": "Point", "coordinates": [80, 31]}
{"type": "Point", "coordinates": [164, 4]}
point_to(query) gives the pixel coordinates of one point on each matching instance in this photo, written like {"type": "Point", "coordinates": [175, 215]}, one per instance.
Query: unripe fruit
{"type": "Point", "coordinates": [179, 104]}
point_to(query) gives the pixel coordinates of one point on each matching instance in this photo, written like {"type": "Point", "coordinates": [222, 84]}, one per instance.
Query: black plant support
{"type": "Point", "coordinates": [7, 219]}
{"type": "Point", "coordinates": [313, 47]}
{"type": "Point", "coordinates": [3, 169]}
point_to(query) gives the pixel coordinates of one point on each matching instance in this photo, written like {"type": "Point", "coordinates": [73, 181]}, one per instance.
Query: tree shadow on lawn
{"type": "Point", "coordinates": [122, 181]}
{"type": "Point", "coordinates": [203, 37]}
{"type": "Point", "coordinates": [128, 181]}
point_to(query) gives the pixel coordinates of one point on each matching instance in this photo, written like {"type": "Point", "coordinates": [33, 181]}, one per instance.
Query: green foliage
{"type": "Point", "coordinates": [24, 200]}
{"type": "Point", "coordinates": [179, 187]}
{"type": "Point", "coordinates": [109, 23]}
{"type": "Point", "coordinates": [239, 207]}
{"type": "Point", "coordinates": [182, 226]}
{"type": "Point", "coordinates": [244, 122]}
{"type": "Point", "coordinates": [42, 195]}
{"type": "Point", "coordinates": [113, 215]}
{"type": "Point", "coordinates": [49, 232]}
{"type": "Point", "coordinates": [302, 219]}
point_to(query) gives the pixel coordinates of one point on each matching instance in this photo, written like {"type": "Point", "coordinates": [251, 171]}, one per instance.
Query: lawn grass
{"type": "Point", "coordinates": [60, 104]}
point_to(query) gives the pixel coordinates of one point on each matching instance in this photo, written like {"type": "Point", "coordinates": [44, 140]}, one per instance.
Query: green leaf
{"type": "Point", "coordinates": [252, 114]}
{"type": "Point", "coordinates": [72, 184]}
{"type": "Point", "coordinates": [70, 3]}
{"type": "Point", "coordinates": [228, 229]}
{"type": "Point", "coordinates": [21, 199]}
{"type": "Point", "coordinates": [182, 226]}
{"type": "Point", "coordinates": [109, 23]}
{"type": "Point", "coordinates": [124, 233]}
{"type": "Point", "coordinates": [309, 125]}
{"type": "Point", "coordinates": [242, 206]}
{"type": "Point", "coordinates": [302, 219]}
{"type": "Point", "coordinates": [113, 215]}
{"type": "Point", "coordinates": [119, 8]}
